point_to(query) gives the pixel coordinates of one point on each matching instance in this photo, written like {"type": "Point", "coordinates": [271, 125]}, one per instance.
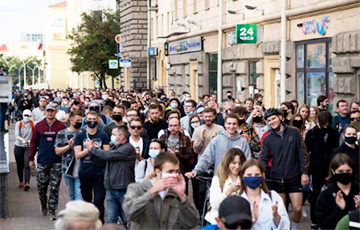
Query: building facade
{"type": "Point", "coordinates": [32, 37]}
{"type": "Point", "coordinates": [322, 48]}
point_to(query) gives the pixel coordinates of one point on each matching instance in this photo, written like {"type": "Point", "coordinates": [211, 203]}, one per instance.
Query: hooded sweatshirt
{"type": "Point", "coordinates": [216, 149]}
{"type": "Point", "coordinates": [102, 125]}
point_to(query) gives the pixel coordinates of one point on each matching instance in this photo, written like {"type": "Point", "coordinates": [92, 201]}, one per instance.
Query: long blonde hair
{"type": "Point", "coordinates": [308, 117]}
{"type": "Point", "coordinates": [223, 170]}
{"type": "Point", "coordinates": [316, 118]}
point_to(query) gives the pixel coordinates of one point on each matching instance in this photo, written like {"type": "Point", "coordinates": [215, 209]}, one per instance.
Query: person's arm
{"type": "Point", "coordinates": [264, 156]}
{"type": "Point", "coordinates": [59, 148]}
{"type": "Point", "coordinates": [304, 156]}
{"type": "Point", "coordinates": [34, 143]}
{"type": "Point", "coordinates": [246, 148]}
{"type": "Point", "coordinates": [121, 153]}
{"type": "Point", "coordinates": [139, 172]}
{"type": "Point", "coordinates": [284, 217]}
{"type": "Point", "coordinates": [79, 153]}
{"type": "Point", "coordinates": [135, 205]}
{"type": "Point", "coordinates": [207, 159]}
{"type": "Point", "coordinates": [17, 133]}
{"type": "Point", "coordinates": [216, 194]}
{"type": "Point", "coordinates": [254, 142]}
{"type": "Point", "coordinates": [188, 215]}
{"type": "Point", "coordinates": [185, 153]}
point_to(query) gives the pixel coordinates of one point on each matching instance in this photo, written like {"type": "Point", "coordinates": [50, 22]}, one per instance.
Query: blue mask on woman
{"type": "Point", "coordinates": [253, 181]}
{"type": "Point", "coordinates": [153, 153]}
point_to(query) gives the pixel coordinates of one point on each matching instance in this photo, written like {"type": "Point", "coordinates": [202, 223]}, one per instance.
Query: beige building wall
{"type": "Point", "coordinates": [343, 29]}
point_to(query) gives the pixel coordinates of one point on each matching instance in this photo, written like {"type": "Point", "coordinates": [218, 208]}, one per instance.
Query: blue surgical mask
{"type": "Point", "coordinates": [113, 140]}
{"type": "Point", "coordinates": [153, 153]}
{"type": "Point", "coordinates": [253, 181]}
{"type": "Point", "coordinates": [189, 113]}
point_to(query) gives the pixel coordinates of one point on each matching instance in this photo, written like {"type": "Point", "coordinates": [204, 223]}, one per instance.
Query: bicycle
{"type": "Point", "coordinates": [207, 180]}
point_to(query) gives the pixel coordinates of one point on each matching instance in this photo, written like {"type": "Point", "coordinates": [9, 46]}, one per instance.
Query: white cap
{"type": "Point", "coordinates": [27, 112]}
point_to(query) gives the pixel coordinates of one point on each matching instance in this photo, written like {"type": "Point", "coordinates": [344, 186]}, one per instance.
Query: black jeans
{"type": "Point", "coordinates": [22, 162]}
{"type": "Point", "coordinates": [317, 182]}
{"type": "Point", "coordinates": [90, 183]}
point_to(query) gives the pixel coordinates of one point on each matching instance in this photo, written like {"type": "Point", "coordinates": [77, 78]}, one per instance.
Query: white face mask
{"type": "Point", "coordinates": [195, 125]}
{"type": "Point", "coordinates": [105, 97]}
{"type": "Point", "coordinates": [26, 119]}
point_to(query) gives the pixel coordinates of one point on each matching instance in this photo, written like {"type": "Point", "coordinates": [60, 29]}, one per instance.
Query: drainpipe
{"type": "Point", "coordinates": [148, 46]}
{"type": "Point", "coordinates": [219, 68]}
{"type": "Point", "coordinates": [283, 52]}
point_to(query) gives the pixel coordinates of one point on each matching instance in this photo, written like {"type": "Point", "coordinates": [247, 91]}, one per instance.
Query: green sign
{"type": "Point", "coordinates": [246, 33]}
{"type": "Point", "coordinates": [113, 64]}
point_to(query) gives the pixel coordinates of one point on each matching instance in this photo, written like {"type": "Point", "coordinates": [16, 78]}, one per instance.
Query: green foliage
{"type": "Point", "coordinates": [94, 44]}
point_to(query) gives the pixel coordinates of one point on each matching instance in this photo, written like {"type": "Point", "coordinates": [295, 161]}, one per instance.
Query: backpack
{"type": "Point", "coordinates": [31, 123]}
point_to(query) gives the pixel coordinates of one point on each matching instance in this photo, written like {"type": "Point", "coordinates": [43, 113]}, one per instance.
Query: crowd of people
{"type": "Point", "coordinates": [142, 153]}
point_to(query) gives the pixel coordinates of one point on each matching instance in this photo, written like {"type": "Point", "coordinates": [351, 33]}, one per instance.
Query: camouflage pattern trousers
{"type": "Point", "coordinates": [49, 174]}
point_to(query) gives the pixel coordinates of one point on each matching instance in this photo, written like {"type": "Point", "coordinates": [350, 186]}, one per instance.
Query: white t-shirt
{"type": "Point", "coordinates": [138, 144]}
{"type": "Point", "coordinates": [60, 115]}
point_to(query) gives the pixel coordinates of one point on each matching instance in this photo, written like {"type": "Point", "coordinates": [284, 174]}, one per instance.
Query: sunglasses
{"type": "Point", "coordinates": [242, 224]}
{"type": "Point", "coordinates": [136, 127]}
{"type": "Point", "coordinates": [94, 108]}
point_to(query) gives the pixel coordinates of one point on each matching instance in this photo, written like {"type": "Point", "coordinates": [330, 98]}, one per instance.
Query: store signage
{"type": "Point", "coordinates": [113, 64]}
{"type": "Point", "coordinates": [188, 45]}
{"type": "Point", "coordinates": [246, 33]}
{"type": "Point", "coordinates": [118, 38]}
{"type": "Point", "coordinates": [152, 51]}
{"type": "Point", "coordinates": [313, 26]}
{"type": "Point", "coordinates": [125, 63]}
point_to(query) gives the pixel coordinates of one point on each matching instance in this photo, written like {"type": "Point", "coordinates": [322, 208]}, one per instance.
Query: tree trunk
{"type": "Point", "coordinates": [103, 76]}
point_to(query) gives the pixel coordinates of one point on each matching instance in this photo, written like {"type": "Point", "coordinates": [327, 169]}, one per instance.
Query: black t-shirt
{"type": "Point", "coordinates": [153, 129]}
{"type": "Point", "coordinates": [87, 167]}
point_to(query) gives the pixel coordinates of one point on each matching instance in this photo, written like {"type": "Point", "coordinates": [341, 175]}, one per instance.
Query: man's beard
{"type": "Point", "coordinates": [209, 124]}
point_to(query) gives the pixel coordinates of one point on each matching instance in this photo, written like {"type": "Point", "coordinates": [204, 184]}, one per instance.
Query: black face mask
{"type": "Point", "coordinates": [298, 124]}
{"type": "Point", "coordinates": [350, 140]}
{"type": "Point", "coordinates": [117, 117]}
{"type": "Point", "coordinates": [285, 113]}
{"type": "Point", "coordinates": [92, 124]}
{"type": "Point", "coordinates": [343, 178]}
{"type": "Point", "coordinates": [241, 121]}
{"type": "Point", "coordinates": [77, 125]}
{"type": "Point", "coordinates": [229, 97]}
{"type": "Point", "coordinates": [325, 130]}
{"type": "Point", "coordinates": [257, 119]}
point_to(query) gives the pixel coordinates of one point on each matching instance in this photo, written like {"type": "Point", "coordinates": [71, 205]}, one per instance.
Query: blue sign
{"type": "Point", "coordinates": [152, 51]}
{"type": "Point", "coordinates": [125, 63]}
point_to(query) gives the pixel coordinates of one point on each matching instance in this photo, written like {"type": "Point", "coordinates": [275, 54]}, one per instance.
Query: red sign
{"type": "Point", "coordinates": [118, 38]}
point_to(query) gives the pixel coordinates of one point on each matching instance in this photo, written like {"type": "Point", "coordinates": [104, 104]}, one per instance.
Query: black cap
{"type": "Point", "coordinates": [235, 209]}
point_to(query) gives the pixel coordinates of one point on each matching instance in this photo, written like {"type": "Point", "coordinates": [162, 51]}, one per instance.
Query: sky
{"type": "Point", "coordinates": [19, 16]}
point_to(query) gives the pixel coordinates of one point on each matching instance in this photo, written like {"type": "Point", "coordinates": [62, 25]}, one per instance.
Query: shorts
{"type": "Point", "coordinates": [286, 186]}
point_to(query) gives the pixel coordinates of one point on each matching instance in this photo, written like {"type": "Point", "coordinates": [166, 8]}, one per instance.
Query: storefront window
{"type": "Point", "coordinates": [213, 60]}
{"type": "Point", "coordinates": [314, 78]}
{"type": "Point", "coordinates": [252, 73]}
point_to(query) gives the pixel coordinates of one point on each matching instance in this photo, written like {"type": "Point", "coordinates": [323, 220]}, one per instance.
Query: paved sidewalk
{"type": "Point", "coordinates": [24, 207]}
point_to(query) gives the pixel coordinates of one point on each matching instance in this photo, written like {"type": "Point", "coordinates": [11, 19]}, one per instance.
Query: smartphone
{"type": "Point", "coordinates": [258, 103]}
{"type": "Point", "coordinates": [87, 135]}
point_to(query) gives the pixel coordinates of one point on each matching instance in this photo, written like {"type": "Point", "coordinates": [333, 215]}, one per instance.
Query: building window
{"type": "Point", "coordinates": [314, 76]}
{"type": "Point", "coordinates": [184, 8]}
{"type": "Point", "coordinates": [213, 64]}
{"type": "Point", "coordinates": [162, 24]}
{"type": "Point", "coordinates": [167, 23]}
{"type": "Point", "coordinates": [252, 74]}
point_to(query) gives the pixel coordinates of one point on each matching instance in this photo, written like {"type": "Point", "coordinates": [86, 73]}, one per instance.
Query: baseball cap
{"type": "Point", "coordinates": [18, 91]}
{"type": "Point", "coordinates": [235, 209]}
{"type": "Point", "coordinates": [79, 210]}
{"type": "Point", "coordinates": [200, 110]}
{"type": "Point", "coordinates": [51, 107]}
{"type": "Point", "coordinates": [27, 112]}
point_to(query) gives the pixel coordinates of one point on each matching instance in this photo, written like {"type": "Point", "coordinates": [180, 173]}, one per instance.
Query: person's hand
{"type": "Point", "coordinates": [305, 180]}
{"type": "Point", "coordinates": [357, 201]}
{"type": "Point", "coordinates": [180, 187]}
{"type": "Point", "coordinates": [190, 174]}
{"type": "Point", "coordinates": [32, 165]}
{"type": "Point", "coordinates": [340, 200]}
{"type": "Point", "coordinates": [71, 142]}
{"type": "Point", "coordinates": [204, 134]}
{"type": "Point", "coordinates": [276, 215]}
{"type": "Point", "coordinates": [99, 121]}
{"type": "Point", "coordinates": [88, 144]}
{"type": "Point", "coordinates": [150, 174]}
{"type": "Point", "coordinates": [173, 151]}
{"type": "Point", "coordinates": [246, 136]}
{"type": "Point", "coordinates": [255, 211]}
{"type": "Point", "coordinates": [234, 187]}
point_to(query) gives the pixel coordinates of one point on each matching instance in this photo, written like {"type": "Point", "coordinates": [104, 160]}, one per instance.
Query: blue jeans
{"type": "Point", "coordinates": [114, 201]}
{"type": "Point", "coordinates": [73, 187]}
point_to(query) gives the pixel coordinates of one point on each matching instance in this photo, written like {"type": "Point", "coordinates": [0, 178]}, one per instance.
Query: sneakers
{"type": "Point", "coordinates": [303, 212]}
{"type": "Point", "coordinates": [27, 187]}
{"type": "Point", "coordinates": [21, 185]}
{"type": "Point", "coordinates": [43, 209]}
{"type": "Point", "coordinates": [52, 216]}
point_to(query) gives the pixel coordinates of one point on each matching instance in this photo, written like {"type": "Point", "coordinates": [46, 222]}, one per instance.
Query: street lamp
{"type": "Point", "coordinates": [33, 72]}
{"type": "Point", "coordinates": [19, 70]}
{"type": "Point", "coordinates": [24, 65]}
{"type": "Point", "coordinates": [236, 13]}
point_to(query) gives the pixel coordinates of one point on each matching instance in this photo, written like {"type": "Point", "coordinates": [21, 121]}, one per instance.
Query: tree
{"type": "Point", "coordinates": [94, 44]}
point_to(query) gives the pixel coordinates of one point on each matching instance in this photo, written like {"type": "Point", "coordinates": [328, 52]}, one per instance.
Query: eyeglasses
{"type": "Point", "coordinates": [136, 127]}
